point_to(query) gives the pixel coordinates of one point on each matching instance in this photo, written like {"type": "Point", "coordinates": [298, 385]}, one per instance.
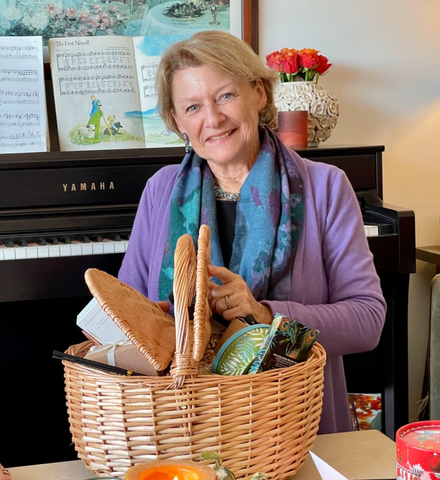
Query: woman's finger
{"type": "Point", "coordinates": [164, 305]}
{"type": "Point", "coordinates": [222, 273]}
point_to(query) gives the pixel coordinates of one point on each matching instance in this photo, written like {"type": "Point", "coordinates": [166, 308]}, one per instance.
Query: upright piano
{"type": "Point", "coordinates": [64, 212]}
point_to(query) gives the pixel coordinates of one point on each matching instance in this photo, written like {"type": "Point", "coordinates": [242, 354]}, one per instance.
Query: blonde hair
{"type": "Point", "coordinates": [221, 51]}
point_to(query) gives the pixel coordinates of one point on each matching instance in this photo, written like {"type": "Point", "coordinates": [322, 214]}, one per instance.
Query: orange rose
{"type": "Point", "coordinates": [322, 65]}
{"type": "Point", "coordinates": [288, 51]}
{"type": "Point", "coordinates": [272, 61]}
{"type": "Point", "coordinates": [290, 63]}
{"type": "Point", "coordinates": [310, 51]}
{"type": "Point", "coordinates": [308, 61]}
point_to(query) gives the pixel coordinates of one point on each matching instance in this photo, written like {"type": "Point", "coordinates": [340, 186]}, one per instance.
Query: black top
{"type": "Point", "coordinates": [226, 215]}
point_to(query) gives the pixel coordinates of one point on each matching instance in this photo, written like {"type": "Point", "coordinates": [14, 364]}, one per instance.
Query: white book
{"type": "Point", "coordinates": [97, 324]}
{"type": "Point", "coordinates": [104, 92]}
{"type": "Point", "coordinates": [23, 113]}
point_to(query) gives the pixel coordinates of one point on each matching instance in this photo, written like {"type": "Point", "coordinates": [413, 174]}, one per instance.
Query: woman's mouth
{"type": "Point", "coordinates": [224, 135]}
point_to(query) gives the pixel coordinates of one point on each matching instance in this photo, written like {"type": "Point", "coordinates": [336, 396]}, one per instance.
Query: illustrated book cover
{"type": "Point", "coordinates": [104, 92]}
{"type": "Point", "coordinates": [366, 411]}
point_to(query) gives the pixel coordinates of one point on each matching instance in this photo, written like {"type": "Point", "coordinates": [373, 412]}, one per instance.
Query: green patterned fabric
{"type": "Point", "coordinates": [268, 224]}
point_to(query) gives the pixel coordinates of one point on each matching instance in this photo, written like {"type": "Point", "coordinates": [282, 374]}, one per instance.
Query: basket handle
{"type": "Point", "coordinates": [202, 312]}
{"type": "Point", "coordinates": [184, 286]}
{"type": "Point", "coordinates": [191, 279]}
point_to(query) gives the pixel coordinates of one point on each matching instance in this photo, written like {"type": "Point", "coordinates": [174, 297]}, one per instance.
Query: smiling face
{"type": "Point", "coordinates": [219, 114]}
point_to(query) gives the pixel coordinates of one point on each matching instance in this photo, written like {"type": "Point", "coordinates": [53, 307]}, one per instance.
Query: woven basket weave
{"type": "Point", "coordinates": [143, 322]}
{"type": "Point", "coordinates": [265, 422]}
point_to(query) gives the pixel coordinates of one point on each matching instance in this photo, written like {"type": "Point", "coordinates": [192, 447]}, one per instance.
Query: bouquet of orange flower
{"type": "Point", "coordinates": [298, 65]}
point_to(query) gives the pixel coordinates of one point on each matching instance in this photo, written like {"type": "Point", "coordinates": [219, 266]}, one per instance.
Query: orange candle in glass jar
{"type": "Point", "coordinates": [170, 470]}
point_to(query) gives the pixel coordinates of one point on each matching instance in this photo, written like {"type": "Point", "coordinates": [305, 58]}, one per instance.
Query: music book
{"type": "Point", "coordinates": [23, 114]}
{"type": "Point", "coordinates": [104, 92]}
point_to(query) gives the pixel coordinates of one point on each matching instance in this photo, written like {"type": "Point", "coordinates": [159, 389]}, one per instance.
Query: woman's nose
{"type": "Point", "coordinates": [213, 116]}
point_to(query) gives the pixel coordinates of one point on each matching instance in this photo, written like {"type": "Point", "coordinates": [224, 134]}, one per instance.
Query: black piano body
{"type": "Point", "coordinates": [46, 197]}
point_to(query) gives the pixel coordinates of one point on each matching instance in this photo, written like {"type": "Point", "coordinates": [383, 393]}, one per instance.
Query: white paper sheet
{"type": "Point", "coordinates": [23, 118]}
{"type": "Point", "coordinates": [325, 470]}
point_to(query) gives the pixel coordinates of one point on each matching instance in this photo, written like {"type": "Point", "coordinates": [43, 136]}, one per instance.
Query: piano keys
{"type": "Point", "coordinates": [54, 247]}
{"type": "Point", "coordinates": [56, 196]}
{"type": "Point", "coordinates": [371, 230]}
{"type": "Point", "coordinates": [62, 247]}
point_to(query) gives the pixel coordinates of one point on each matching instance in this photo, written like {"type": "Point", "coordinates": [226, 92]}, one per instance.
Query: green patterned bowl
{"type": "Point", "coordinates": [238, 352]}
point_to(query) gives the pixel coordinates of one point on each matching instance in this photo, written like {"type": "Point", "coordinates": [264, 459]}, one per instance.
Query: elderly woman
{"type": "Point", "coordinates": [287, 233]}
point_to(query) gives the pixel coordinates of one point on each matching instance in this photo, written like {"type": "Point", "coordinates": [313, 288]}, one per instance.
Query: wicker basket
{"type": "Point", "coordinates": [265, 422]}
{"type": "Point", "coordinates": [143, 322]}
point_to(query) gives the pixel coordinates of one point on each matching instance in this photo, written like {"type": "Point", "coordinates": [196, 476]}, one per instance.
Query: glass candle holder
{"type": "Point", "coordinates": [293, 128]}
{"type": "Point", "coordinates": [170, 470]}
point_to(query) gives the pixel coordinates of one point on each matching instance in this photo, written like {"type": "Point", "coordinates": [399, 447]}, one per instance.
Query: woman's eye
{"type": "Point", "coordinates": [192, 108]}
{"type": "Point", "coordinates": [226, 96]}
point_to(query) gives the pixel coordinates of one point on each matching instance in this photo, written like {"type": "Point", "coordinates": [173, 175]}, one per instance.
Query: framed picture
{"type": "Point", "coordinates": [250, 23]}
{"type": "Point", "coordinates": [77, 18]}
{"type": "Point", "coordinates": [88, 38]}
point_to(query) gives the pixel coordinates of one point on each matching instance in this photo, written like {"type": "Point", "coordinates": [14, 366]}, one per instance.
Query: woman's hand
{"type": "Point", "coordinates": [233, 298]}
{"type": "Point", "coordinates": [163, 305]}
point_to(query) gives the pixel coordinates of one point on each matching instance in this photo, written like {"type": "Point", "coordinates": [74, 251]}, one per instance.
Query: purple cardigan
{"type": "Point", "coordinates": [335, 288]}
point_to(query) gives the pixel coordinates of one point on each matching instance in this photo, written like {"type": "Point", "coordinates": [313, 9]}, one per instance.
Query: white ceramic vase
{"type": "Point", "coordinates": [322, 106]}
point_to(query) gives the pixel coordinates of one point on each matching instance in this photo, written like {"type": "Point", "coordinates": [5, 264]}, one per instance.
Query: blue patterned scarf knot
{"type": "Point", "coordinates": [268, 225]}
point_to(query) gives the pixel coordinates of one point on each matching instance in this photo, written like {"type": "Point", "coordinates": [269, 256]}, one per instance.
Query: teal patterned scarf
{"type": "Point", "coordinates": [268, 223]}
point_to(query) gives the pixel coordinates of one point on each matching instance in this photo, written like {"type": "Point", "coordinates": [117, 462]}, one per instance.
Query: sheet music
{"type": "Point", "coordinates": [95, 85]}
{"type": "Point", "coordinates": [148, 51]}
{"type": "Point", "coordinates": [23, 118]}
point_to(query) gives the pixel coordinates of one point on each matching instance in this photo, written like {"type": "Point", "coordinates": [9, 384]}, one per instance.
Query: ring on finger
{"type": "Point", "coordinates": [228, 302]}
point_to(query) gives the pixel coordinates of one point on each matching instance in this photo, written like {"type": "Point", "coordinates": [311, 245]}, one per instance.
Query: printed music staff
{"type": "Point", "coordinates": [23, 117]}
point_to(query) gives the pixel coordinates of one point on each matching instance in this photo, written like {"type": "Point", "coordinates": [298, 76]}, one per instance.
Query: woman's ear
{"type": "Point", "coordinates": [261, 92]}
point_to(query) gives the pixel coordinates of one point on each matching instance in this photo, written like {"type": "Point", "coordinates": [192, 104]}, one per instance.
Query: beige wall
{"type": "Point", "coordinates": [386, 76]}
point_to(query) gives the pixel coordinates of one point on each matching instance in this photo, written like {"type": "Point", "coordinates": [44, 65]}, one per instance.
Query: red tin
{"type": "Point", "coordinates": [418, 451]}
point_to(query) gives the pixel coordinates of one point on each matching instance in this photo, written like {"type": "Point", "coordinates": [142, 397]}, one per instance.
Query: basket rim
{"type": "Point", "coordinates": [317, 358]}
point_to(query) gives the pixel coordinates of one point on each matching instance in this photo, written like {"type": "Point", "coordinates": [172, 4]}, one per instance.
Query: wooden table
{"type": "Point", "coordinates": [430, 254]}
{"type": "Point", "coordinates": [364, 455]}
